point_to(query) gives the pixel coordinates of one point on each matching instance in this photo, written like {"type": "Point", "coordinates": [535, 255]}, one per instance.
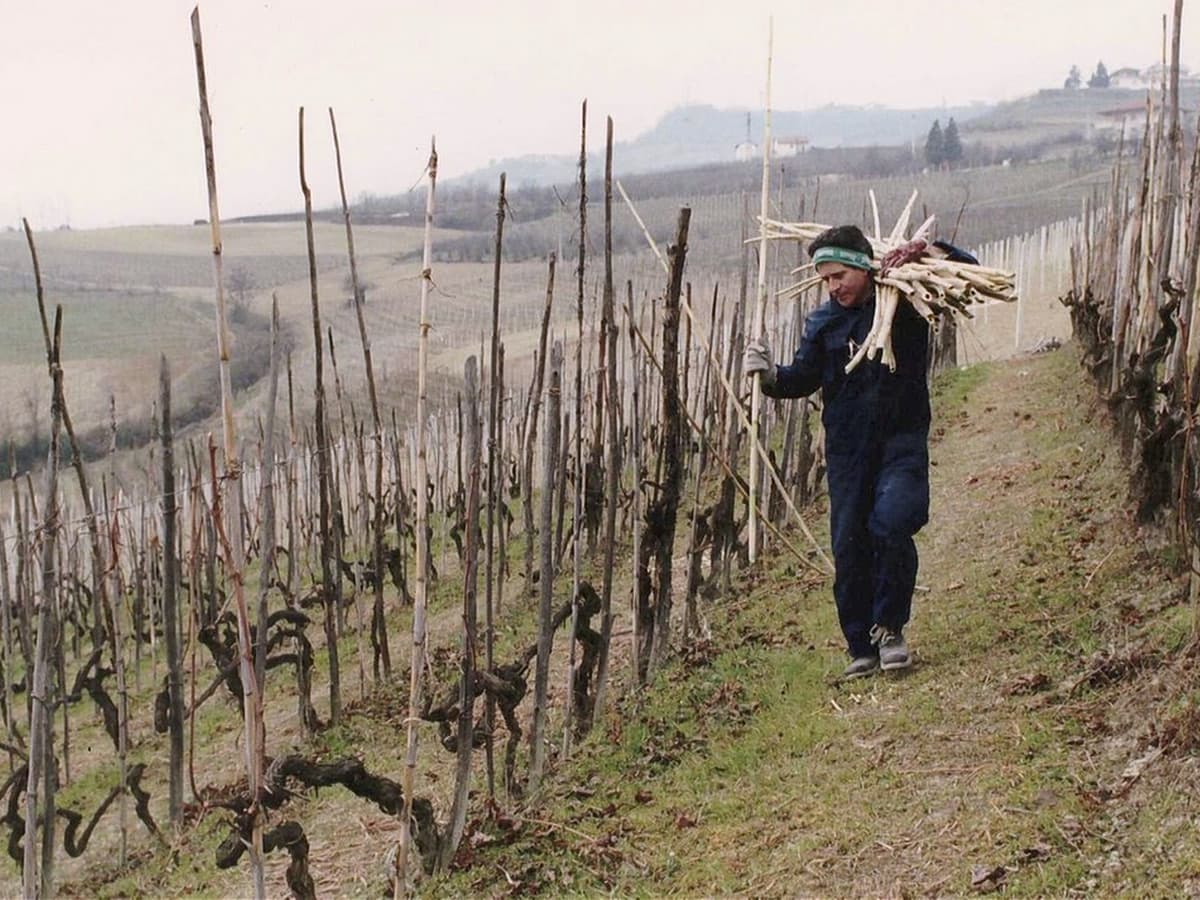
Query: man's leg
{"type": "Point", "coordinates": [849, 507]}
{"type": "Point", "coordinates": [900, 509]}
{"type": "Point", "coordinates": [895, 568]}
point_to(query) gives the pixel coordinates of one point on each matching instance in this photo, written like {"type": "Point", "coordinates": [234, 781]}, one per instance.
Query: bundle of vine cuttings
{"type": "Point", "coordinates": [913, 270]}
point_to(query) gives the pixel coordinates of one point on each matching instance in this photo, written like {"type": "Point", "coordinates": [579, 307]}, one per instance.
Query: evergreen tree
{"type": "Point", "coordinates": [935, 145]}
{"type": "Point", "coordinates": [952, 149]}
{"type": "Point", "coordinates": [1099, 78]}
{"type": "Point", "coordinates": [1074, 80]}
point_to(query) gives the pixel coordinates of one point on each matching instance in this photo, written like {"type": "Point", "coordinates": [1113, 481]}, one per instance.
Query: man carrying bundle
{"type": "Point", "coordinates": [876, 442]}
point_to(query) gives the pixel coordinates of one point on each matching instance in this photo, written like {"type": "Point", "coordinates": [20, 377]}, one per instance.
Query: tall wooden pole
{"type": "Point", "coordinates": [537, 734]}
{"type": "Point", "coordinates": [420, 601]}
{"type": "Point", "coordinates": [635, 416]}
{"type": "Point", "coordinates": [466, 692]}
{"type": "Point", "coordinates": [761, 306]}
{"type": "Point", "coordinates": [666, 507]}
{"type": "Point", "coordinates": [235, 551]}
{"type": "Point", "coordinates": [171, 600]}
{"type": "Point", "coordinates": [577, 556]}
{"type": "Point", "coordinates": [41, 780]}
{"type": "Point", "coordinates": [267, 531]}
{"type": "Point", "coordinates": [329, 584]}
{"type": "Point", "coordinates": [530, 426]}
{"type": "Point", "coordinates": [118, 592]}
{"type": "Point", "coordinates": [382, 655]}
{"type": "Point", "coordinates": [493, 474]}
{"type": "Point", "coordinates": [612, 465]}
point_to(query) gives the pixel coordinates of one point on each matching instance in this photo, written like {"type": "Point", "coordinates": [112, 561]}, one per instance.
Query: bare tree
{"type": "Point", "coordinates": [240, 284]}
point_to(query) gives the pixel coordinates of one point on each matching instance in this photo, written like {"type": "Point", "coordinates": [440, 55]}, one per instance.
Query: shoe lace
{"type": "Point", "coordinates": [882, 636]}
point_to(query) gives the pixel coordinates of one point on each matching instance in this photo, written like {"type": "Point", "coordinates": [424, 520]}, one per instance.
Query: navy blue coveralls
{"type": "Point", "coordinates": [877, 453]}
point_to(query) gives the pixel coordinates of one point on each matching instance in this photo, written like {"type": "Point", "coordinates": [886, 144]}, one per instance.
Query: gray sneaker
{"type": "Point", "coordinates": [861, 666]}
{"type": "Point", "coordinates": [893, 652]}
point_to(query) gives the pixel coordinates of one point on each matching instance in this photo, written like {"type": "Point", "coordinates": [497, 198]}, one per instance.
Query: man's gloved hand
{"type": "Point", "coordinates": [756, 359]}
{"type": "Point", "coordinates": [905, 253]}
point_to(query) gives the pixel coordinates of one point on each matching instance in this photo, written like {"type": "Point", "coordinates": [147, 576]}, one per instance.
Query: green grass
{"type": "Point", "coordinates": [745, 770]}
{"type": "Point", "coordinates": [953, 387]}
{"type": "Point", "coordinates": [101, 325]}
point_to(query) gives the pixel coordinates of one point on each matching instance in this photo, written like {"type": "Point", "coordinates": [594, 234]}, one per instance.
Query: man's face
{"type": "Point", "coordinates": [847, 285]}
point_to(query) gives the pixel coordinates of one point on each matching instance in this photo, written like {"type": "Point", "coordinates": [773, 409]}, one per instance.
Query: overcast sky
{"type": "Point", "coordinates": [99, 100]}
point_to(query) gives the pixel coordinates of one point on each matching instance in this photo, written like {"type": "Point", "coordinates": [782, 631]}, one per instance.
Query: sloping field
{"type": "Point", "coordinates": [130, 294]}
{"type": "Point", "coordinates": [1044, 743]}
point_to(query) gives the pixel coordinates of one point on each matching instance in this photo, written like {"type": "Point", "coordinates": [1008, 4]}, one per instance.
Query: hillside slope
{"type": "Point", "coordinates": [1045, 742]}
{"type": "Point", "coordinates": [699, 134]}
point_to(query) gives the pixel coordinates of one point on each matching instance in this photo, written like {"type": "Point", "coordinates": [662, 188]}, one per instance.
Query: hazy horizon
{"type": "Point", "coordinates": [103, 100]}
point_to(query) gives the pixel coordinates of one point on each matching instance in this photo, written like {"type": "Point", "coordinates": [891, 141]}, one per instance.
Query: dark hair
{"type": "Point", "coordinates": [848, 237]}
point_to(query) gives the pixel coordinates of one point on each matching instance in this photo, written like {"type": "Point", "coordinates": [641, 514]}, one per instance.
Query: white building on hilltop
{"type": "Point", "coordinates": [745, 151]}
{"type": "Point", "coordinates": [788, 146]}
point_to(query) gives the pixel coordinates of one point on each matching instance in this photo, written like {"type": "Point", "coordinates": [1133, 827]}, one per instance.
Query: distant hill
{"type": "Point", "coordinates": [1071, 116]}
{"type": "Point", "coordinates": [698, 135]}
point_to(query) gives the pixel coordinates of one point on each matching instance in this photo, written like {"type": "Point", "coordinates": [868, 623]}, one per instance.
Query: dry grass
{"type": "Point", "coordinates": [748, 770]}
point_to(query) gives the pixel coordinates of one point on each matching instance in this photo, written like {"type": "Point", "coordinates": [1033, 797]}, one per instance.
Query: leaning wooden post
{"type": "Point", "coordinates": [420, 601]}
{"type": "Point", "coordinates": [329, 583]}
{"type": "Point", "coordinates": [761, 306]}
{"type": "Point", "coordinates": [379, 641]}
{"type": "Point", "coordinates": [235, 550]}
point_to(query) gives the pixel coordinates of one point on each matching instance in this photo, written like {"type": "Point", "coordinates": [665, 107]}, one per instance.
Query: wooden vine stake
{"type": "Point", "coordinates": [267, 527]}
{"type": "Point", "coordinates": [761, 306]}
{"type": "Point", "coordinates": [417, 662]}
{"type": "Point", "coordinates": [170, 600]}
{"type": "Point", "coordinates": [466, 692]}
{"type": "Point", "coordinates": [577, 515]}
{"type": "Point", "coordinates": [612, 465]}
{"type": "Point", "coordinates": [230, 478]}
{"type": "Point", "coordinates": [331, 598]}
{"type": "Point", "coordinates": [545, 641]}
{"type": "Point", "coordinates": [42, 775]}
{"type": "Point", "coordinates": [381, 656]}
{"type": "Point", "coordinates": [494, 467]}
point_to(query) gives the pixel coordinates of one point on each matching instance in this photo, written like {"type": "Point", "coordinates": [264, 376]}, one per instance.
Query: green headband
{"type": "Point", "coordinates": [854, 258]}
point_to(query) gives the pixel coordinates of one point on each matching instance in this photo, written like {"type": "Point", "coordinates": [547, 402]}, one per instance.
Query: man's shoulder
{"type": "Point", "coordinates": [822, 315]}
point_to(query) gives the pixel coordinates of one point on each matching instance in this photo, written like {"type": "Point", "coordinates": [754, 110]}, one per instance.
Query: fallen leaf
{"type": "Point", "coordinates": [1029, 683]}
{"type": "Point", "coordinates": [643, 796]}
{"type": "Point", "coordinates": [1036, 852]}
{"type": "Point", "coordinates": [683, 820]}
{"type": "Point", "coordinates": [1136, 767]}
{"type": "Point", "coordinates": [985, 879]}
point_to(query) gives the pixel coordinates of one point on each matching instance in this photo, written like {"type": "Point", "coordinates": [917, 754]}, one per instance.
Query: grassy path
{"type": "Point", "coordinates": [1044, 743]}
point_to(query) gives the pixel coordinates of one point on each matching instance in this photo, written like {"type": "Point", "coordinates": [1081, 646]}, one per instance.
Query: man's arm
{"type": "Point", "coordinates": [803, 376]}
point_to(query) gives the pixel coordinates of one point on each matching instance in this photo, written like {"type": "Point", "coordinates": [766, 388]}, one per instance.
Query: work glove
{"type": "Point", "coordinates": [905, 253]}
{"type": "Point", "coordinates": [756, 359]}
